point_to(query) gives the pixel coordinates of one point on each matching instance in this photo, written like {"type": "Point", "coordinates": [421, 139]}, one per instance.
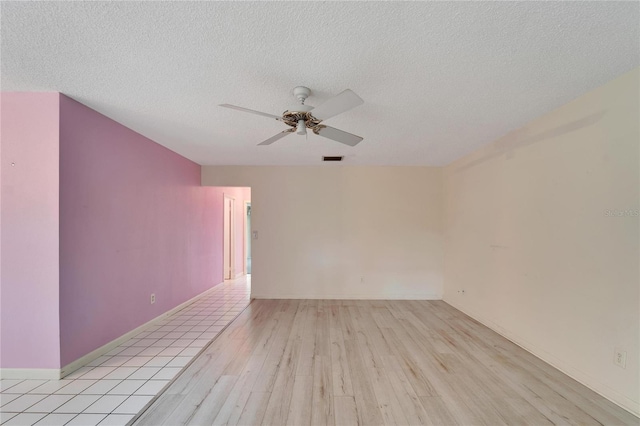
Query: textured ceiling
{"type": "Point", "coordinates": [439, 79]}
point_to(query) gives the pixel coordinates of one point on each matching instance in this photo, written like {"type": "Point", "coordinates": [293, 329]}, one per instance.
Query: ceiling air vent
{"type": "Point", "coordinates": [330, 158]}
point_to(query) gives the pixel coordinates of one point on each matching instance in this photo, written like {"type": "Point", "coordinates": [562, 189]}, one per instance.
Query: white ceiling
{"type": "Point", "coordinates": [439, 79]}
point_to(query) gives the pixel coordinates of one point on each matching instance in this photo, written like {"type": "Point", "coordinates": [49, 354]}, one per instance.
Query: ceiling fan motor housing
{"type": "Point", "coordinates": [300, 112]}
{"type": "Point", "coordinates": [291, 118]}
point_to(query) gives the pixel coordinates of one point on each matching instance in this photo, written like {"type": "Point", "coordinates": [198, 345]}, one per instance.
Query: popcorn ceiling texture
{"type": "Point", "coordinates": [439, 79]}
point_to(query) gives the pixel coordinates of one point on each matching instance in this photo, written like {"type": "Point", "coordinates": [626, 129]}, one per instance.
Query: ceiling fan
{"type": "Point", "coordinates": [302, 117]}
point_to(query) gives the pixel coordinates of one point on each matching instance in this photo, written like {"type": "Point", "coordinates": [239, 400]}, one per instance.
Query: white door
{"type": "Point", "coordinates": [228, 238]}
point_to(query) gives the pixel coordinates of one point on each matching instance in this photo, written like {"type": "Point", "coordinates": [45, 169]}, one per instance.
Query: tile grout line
{"type": "Point", "coordinates": [146, 407]}
{"type": "Point", "coordinates": [208, 309]}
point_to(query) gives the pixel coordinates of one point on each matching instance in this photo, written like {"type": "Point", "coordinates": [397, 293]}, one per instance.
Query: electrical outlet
{"type": "Point", "coordinates": [153, 298]}
{"type": "Point", "coordinates": [620, 358]}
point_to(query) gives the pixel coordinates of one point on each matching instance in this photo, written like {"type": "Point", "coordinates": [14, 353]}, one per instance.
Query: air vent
{"type": "Point", "coordinates": [328, 158]}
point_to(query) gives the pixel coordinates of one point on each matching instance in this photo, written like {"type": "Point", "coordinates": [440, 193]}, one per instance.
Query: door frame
{"type": "Point", "coordinates": [246, 236]}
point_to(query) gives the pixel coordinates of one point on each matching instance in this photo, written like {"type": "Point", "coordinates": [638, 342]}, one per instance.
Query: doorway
{"type": "Point", "coordinates": [228, 237]}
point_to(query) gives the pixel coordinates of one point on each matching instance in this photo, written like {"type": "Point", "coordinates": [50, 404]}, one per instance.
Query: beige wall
{"type": "Point", "coordinates": [540, 231]}
{"type": "Point", "coordinates": [342, 232]}
{"type": "Point", "coordinates": [531, 239]}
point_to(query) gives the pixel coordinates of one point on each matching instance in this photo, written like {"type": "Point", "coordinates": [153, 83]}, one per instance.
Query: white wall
{"type": "Point", "coordinates": [529, 240]}
{"type": "Point", "coordinates": [342, 232]}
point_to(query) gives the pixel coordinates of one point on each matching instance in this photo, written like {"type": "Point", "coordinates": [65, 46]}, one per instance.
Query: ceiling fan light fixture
{"type": "Point", "coordinates": [301, 128]}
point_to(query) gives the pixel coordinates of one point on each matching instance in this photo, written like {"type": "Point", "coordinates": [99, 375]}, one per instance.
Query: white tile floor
{"type": "Point", "coordinates": [112, 389]}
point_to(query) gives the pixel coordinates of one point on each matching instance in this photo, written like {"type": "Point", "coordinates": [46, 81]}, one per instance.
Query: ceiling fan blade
{"type": "Point", "coordinates": [339, 135]}
{"type": "Point", "coordinates": [251, 111]}
{"type": "Point", "coordinates": [279, 136]}
{"type": "Point", "coordinates": [340, 103]}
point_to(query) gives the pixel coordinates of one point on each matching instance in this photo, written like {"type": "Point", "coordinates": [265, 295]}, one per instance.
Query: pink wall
{"type": "Point", "coordinates": [30, 223]}
{"type": "Point", "coordinates": [95, 218]}
{"type": "Point", "coordinates": [133, 221]}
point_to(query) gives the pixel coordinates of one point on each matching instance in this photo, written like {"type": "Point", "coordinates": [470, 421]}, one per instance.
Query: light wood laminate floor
{"type": "Point", "coordinates": [301, 362]}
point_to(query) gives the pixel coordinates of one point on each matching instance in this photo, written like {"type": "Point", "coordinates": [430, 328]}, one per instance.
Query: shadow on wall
{"type": "Point", "coordinates": [518, 139]}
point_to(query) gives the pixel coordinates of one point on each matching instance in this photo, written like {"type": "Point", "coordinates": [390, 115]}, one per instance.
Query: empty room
{"type": "Point", "coordinates": [319, 213]}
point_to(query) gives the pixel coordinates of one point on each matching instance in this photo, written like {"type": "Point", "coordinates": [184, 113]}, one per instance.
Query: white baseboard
{"type": "Point", "coordinates": [30, 373]}
{"type": "Point", "coordinates": [73, 366]}
{"type": "Point", "coordinates": [350, 296]}
{"type": "Point", "coordinates": [53, 373]}
{"type": "Point", "coordinates": [580, 376]}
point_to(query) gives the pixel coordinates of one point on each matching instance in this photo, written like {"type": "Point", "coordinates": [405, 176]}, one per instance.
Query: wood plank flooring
{"type": "Point", "coordinates": [329, 362]}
